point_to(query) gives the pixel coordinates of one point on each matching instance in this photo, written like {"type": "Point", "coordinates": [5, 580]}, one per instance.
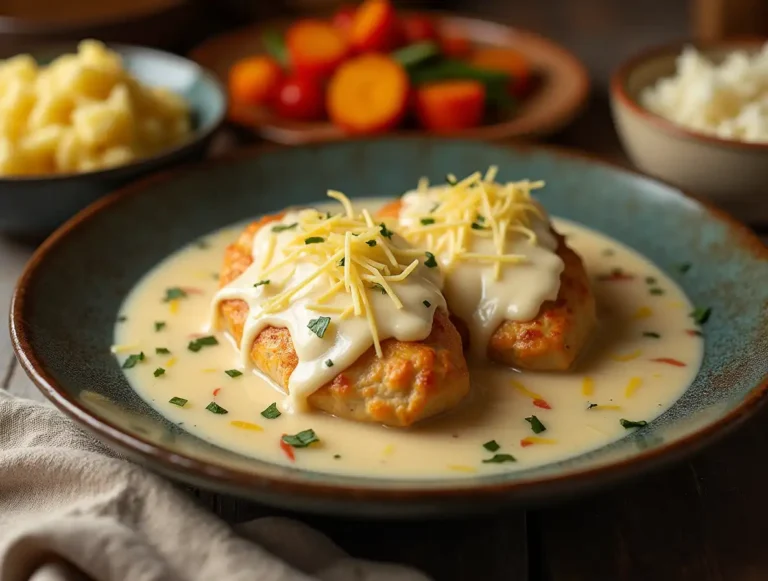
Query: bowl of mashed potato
{"type": "Point", "coordinates": [77, 121]}
{"type": "Point", "coordinates": [696, 115]}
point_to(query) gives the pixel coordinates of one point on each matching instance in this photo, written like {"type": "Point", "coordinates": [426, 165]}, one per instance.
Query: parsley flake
{"type": "Point", "coordinates": [197, 344]}
{"type": "Point", "coordinates": [491, 446]}
{"type": "Point", "coordinates": [651, 335]}
{"type": "Point", "coordinates": [378, 287]}
{"type": "Point", "coordinates": [592, 405]}
{"type": "Point", "coordinates": [342, 261]}
{"type": "Point", "coordinates": [319, 326]}
{"type": "Point", "coordinates": [329, 363]}
{"type": "Point", "coordinates": [426, 303]}
{"type": "Point", "coordinates": [480, 219]}
{"type": "Point", "coordinates": [384, 231]}
{"type": "Point", "coordinates": [608, 252]}
{"type": "Point", "coordinates": [159, 371]}
{"type": "Point", "coordinates": [133, 360]}
{"type": "Point", "coordinates": [500, 459]}
{"type": "Point", "coordinates": [159, 325]}
{"type": "Point", "coordinates": [427, 221]}
{"type": "Point", "coordinates": [215, 408]}
{"type": "Point", "coordinates": [233, 373]}
{"type": "Point", "coordinates": [314, 240]}
{"type": "Point", "coordinates": [451, 179]}
{"type": "Point", "coordinates": [656, 291]}
{"type": "Point", "coordinates": [536, 425]}
{"type": "Point", "coordinates": [476, 226]}
{"type": "Point", "coordinates": [173, 293]}
{"type": "Point", "coordinates": [261, 282]}
{"type": "Point", "coordinates": [430, 262]}
{"type": "Point", "coordinates": [650, 280]}
{"type": "Point", "coordinates": [284, 227]}
{"type": "Point", "coordinates": [179, 401]}
{"type": "Point", "coordinates": [337, 456]}
{"type": "Point", "coordinates": [627, 424]}
{"type": "Point", "coordinates": [271, 412]}
{"type": "Point", "coordinates": [371, 243]}
{"type": "Point", "coordinates": [302, 439]}
{"type": "Point", "coordinates": [122, 319]}
{"type": "Point", "coordinates": [701, 315]}
{"type": "Point", "coordinates": [162, 351]}
{"type": "Point", "coordinates": [684, 267]}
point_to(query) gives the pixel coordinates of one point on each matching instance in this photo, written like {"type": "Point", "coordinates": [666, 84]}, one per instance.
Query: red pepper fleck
{"type": "Point", "coordinates": [540, 403]}
{"type": "Point", "coordinates": [192, 290]}
{"type": "Point", "coordinates": [669, 361]}
{"type": "Point", "coordinates": [693, 332]}
{"type": "Point", "coordinates": [525, 442]}
{"type": "Point", "coordinates": [216, 391]}
{"type": "Point", "coordinates": [288, 450]}
{"type": "Point", "coordinates": [615, 276]}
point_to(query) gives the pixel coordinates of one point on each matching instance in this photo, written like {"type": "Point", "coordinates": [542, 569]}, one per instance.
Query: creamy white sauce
{"type": "Point", "coordinates": [476, 296]}
{"type": "Point", "coordinates": [345, 339]}
{"type": "Point", "coordinates": [618, 370]}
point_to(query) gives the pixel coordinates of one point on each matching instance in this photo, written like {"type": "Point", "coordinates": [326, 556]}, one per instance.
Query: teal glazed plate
{"type": "Point", "coordinates": [68, 299]}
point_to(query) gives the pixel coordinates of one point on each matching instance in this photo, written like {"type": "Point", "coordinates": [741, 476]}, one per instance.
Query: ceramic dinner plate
{"type": "Point", "coordinates": [561, 92]}
{"type": "Point", "coordinates": [69, 297]}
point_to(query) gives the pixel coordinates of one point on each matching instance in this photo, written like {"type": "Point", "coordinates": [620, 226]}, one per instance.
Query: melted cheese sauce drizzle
{"type": "Point", "coordinates": [340, 284]}
{"type": "Point", "coordinates": [494, 244]}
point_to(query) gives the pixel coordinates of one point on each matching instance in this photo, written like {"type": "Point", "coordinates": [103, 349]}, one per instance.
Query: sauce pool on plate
{"type": "Point", "coordinates": [644, 354]}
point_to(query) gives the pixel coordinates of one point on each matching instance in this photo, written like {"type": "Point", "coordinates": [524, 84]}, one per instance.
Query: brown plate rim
{"type": "Point", "coordinates": [195, 471]}
{"type": "Point", "coordinates": [618, 87]}
{"type": "Point", "coordinates": [557, 119]}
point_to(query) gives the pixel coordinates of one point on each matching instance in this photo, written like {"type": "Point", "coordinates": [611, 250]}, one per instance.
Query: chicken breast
{"type": "Point", "coordinates": [559, 332]}
{"type": "Point", "coordinates": [410, 382]}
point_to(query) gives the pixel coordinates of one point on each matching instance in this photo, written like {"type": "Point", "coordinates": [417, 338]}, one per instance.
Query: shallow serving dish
{"type": "Point", "coordinates": [32, 206]}
{"type": "Point", "coordinates": [730, 173]}
{"type": "Point", "coordinates": [106, 249]}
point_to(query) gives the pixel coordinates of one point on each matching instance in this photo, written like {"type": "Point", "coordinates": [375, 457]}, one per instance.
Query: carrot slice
{"type": "Point", "coordinates": [254, 80]}
{"type": "Point", "coordinates": [287, 450]}
{"type": "Point", "coordinates": [316, 48]}
{"type": "Point", "coordinates": [450, 105]}
{"type": "Point", "coordinates": [368, 94]}
{"type": "Point", "coordinates": [507, 61]}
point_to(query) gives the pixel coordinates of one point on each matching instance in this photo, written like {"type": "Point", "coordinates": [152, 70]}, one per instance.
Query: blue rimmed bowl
{"type": "Point", "coordinates": [62, 333]}
{"type": "Point", "coordinates": [33, 206]}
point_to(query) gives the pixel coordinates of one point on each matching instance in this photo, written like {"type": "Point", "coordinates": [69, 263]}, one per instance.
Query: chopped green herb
{"type": "Point", "coordinates": [426, 303]}
{"type": "Point", "coordinates": [159, 371]}
{"type": "Point", "coordinates": [500, 459]}
{"type": "Point", "coordinates": [384, 231]}
{"type": "Point", "coordinates": [378, 287]}
{"type": "Point", "coordinates": [122, 319]}
{"type": "Point", "coordinates": [427, 221]}
{"type": "Point", "coordinates": [491, 446]}
{"type": "Point", "coordinates": [451, 179]}
{"type": "Point", "coordinates": [651, 334]}
{"type": "Point", "coordinates": [197, 344]}
{"type": "Point", "coordinates": [617, 271]}
{"type": "Point", "coordinates": [650, 280]}
{"type": "Point", "coordinates": [179, 401]}
{"type": "Point", "coordinates": [284, 227]}
{"type": "Point", "coordinates": [271, 412]}
{"type": "Point", "coordinates": [302, 439]}
{"type": "Point", "coordinates": [174, 293]}
{"type": "Point", "coordinates": [684, 267]}
{"type": "Point", "coordinates": [592, 405]}
{"type": "Point", "coordinates": [701, 315]}
{"type": "Point", "coordinates": [233, 373]}
{"type": "Point", "coordinates": [627, 424]}
{"type": "Point", "coordinates": [430, 262]}
{"type": "Point", "coordinates": [435, 207]}
{"type": "Point", "coordinates": [476, 226]}
{"type": "Point", "coordinates": [159, 325]}
{"type": "Point", "coordinates": [202, 243]}
{"type": "Point", "coordinates": [337, 456]}
{"type": "Point", "coordinates": [656, 291]}
{"type": "Point", "coordinates": [261, 282]}
{"type": "Point", "coordinates": [371, 243]}
{"type": "Point", "coordinates": [329, 363]}
{"type": "Point", "coordinates": [162, 351]}
{"type": "Point", "coordinates": [133, 360]}
{"type": "Point", "coordinates": [536, 425]}
{"type": "Point", "coordinates": [480, 219]}
{"type": "Point", "coordinates": [215, 408]}
{"type": "Point", "coordinates": [341, 262]}
{"type": "Point", "coordinates": [319, 326]}
{"type": "Point", "coordinates": [608, 252]}
{"type": "Point", "coordinates": [314, 240]}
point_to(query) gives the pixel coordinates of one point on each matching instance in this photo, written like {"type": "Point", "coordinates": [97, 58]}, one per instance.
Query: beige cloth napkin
{"type": "Point", "coordinates": [71, 510]}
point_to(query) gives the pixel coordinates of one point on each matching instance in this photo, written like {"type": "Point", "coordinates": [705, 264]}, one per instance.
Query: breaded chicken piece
{"type": "Point", "coordinates": [561, 329]}
{"type": "Point", "coordinates": [410, 382]}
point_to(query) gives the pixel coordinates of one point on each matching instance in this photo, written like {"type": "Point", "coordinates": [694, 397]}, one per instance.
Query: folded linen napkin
{"type": "Point", "coordinates": [70, 509]}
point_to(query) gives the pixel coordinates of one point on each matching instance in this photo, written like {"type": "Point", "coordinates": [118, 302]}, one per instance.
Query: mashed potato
{"type": "Point", "coordinates": [82, 112]}
{"type": "Point", "coordinates": [729, 100]}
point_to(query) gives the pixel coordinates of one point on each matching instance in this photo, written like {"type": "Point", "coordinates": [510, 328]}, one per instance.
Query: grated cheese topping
{"type": "Point", "coordinates": [494, 243]}
{"type": "Point", "coordinates": [341, 283]}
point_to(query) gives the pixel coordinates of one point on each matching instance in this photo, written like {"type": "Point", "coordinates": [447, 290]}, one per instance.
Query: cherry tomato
{"type": "Point", "coordinates": [300, 98]}
{"type": "Point", "coordinates": [418, 29]}
{"type": "Point", "coordinates": [343, 18]}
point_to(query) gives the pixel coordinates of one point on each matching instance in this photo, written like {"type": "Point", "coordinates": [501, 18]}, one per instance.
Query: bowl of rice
{"type": "Point", "coordinates": [696, 115]}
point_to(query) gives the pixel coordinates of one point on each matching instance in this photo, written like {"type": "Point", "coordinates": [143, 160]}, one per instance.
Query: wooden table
{"type": "Point", "coordinates": [702, 520]}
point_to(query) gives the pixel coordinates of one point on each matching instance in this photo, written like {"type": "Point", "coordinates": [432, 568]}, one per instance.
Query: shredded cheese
{"type": "Point", "coordinates": [476, 207]}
